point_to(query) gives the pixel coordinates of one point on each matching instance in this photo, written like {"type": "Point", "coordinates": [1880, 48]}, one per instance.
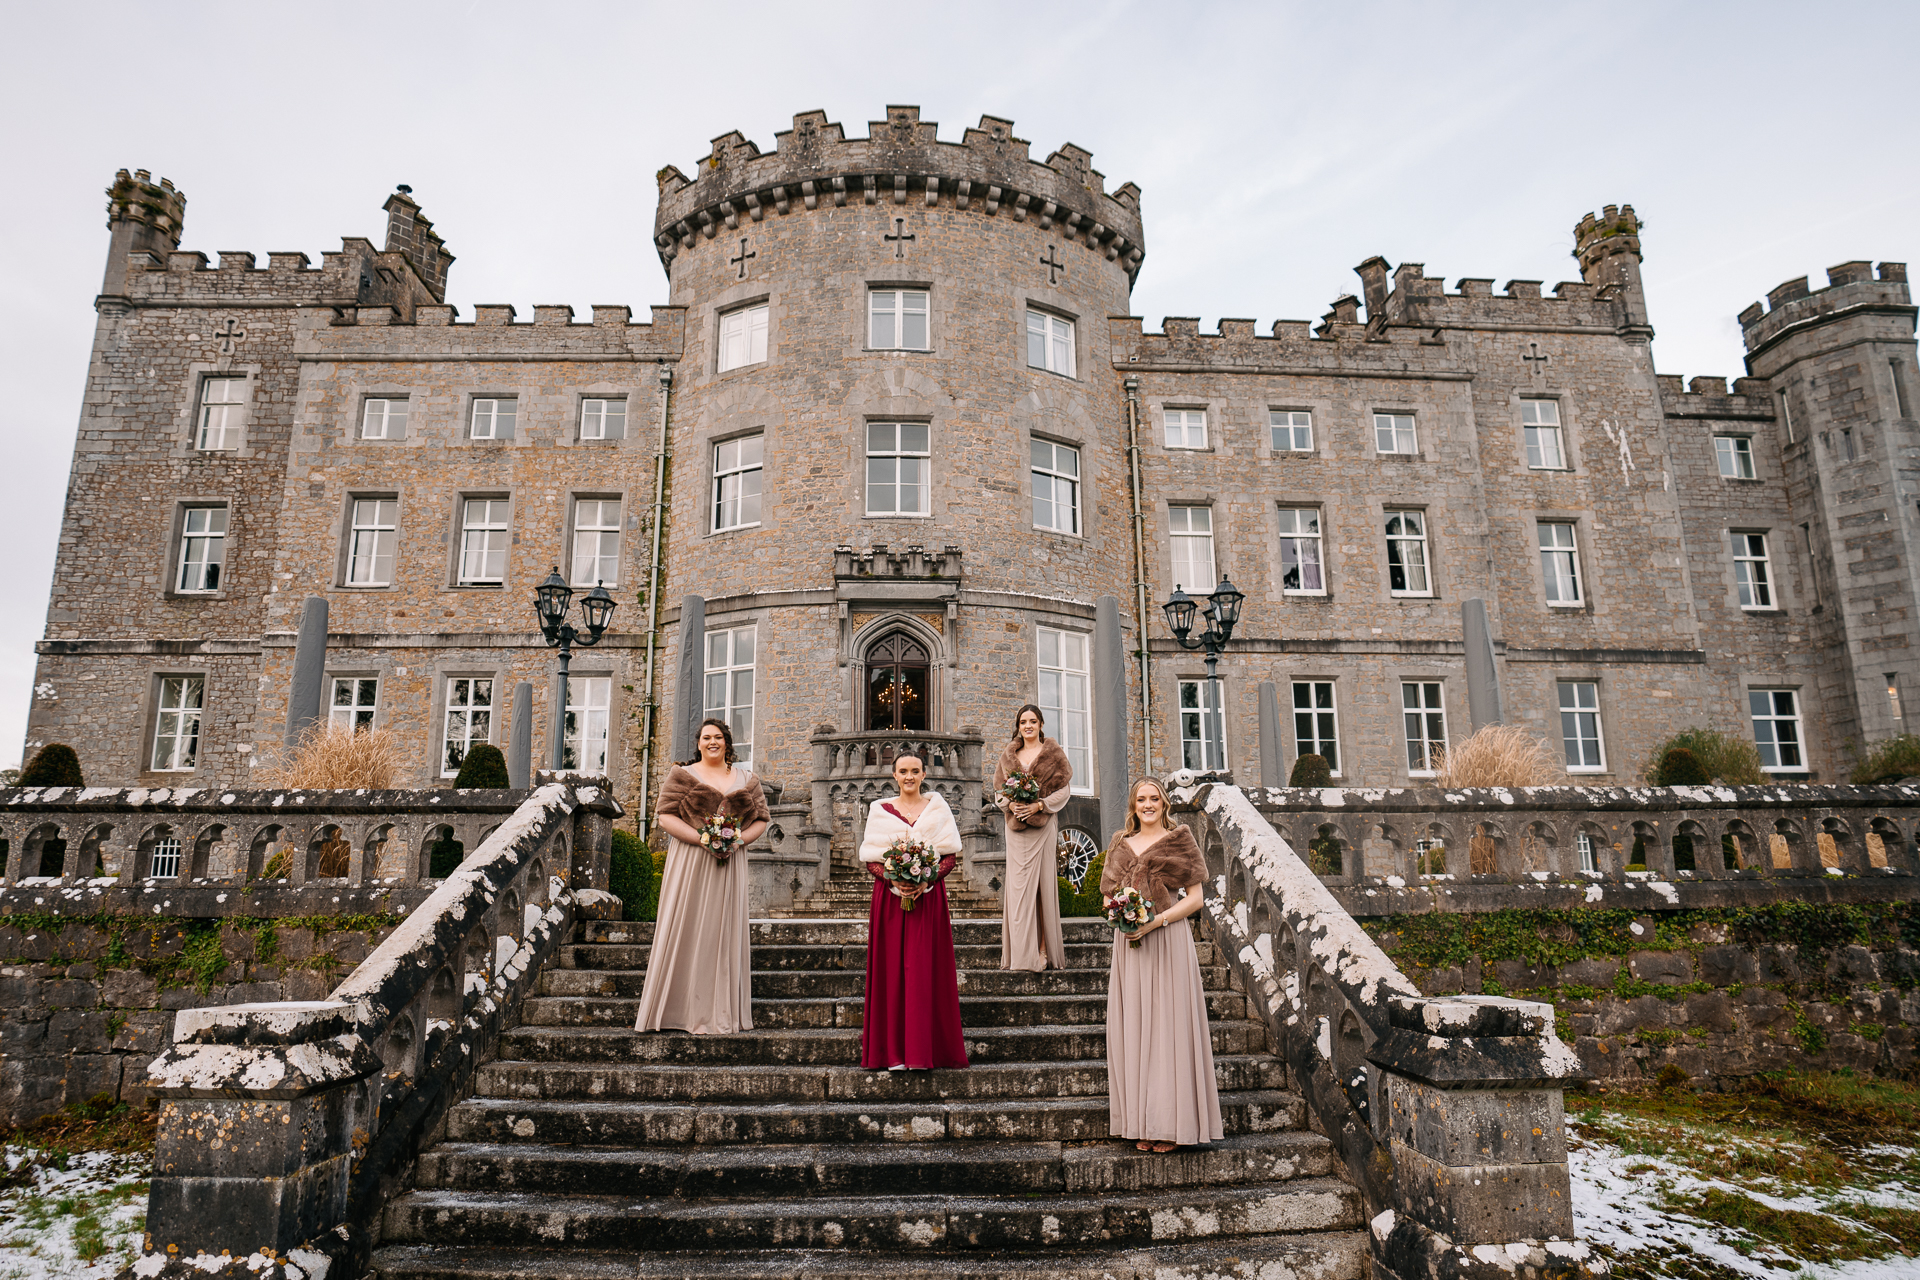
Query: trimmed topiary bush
{"type": "Point", "coordinates": [1311, 770]}
{"type": "Point", "coordinates": [1722, 757]}
{"type": "Point", "coordinates": [444, 857]}
{"type": "Point", "coordinates": [1086, 900]}
{"type": "Point", "coordinates": [1889, 761]}
{"type": "Point", "coordinates": [54, 765]}
{"type": "Point", "coordinates": [1678, 768]}
{"type": "Point", "coordinates": [484, 767]}
{"type": "Point", "coordinates": [632, 878]}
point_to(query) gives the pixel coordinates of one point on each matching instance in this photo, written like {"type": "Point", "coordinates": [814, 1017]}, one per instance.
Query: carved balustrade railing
{"type": "Point", "coordinates": [851, 770]}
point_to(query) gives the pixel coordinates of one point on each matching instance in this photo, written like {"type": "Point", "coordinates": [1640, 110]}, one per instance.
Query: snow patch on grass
{"type": "Point", "coordinates": [81, 1222]}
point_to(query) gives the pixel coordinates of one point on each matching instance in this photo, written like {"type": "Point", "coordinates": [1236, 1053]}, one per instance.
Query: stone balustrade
{"type": "Point", "coordinates": [852, 770]}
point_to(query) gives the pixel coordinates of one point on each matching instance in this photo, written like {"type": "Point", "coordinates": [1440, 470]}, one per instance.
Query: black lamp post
{"type": "Point", "coordinates": [551, 600]}
{"type": "Point", "coordinates": [1223, 614]}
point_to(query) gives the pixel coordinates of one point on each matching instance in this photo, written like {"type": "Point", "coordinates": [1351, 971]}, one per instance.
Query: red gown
{"type": "Point", "coordinates": [913, 984]}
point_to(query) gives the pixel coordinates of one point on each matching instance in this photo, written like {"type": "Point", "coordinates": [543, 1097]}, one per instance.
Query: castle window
{"type": "Point", "coordinates": [584, 741]}
{"type": "Point", "coordinates": [353, 702]}
{"type": "Point", "coordinates": [1316, 722]}
{"type": "Point", "coordinates": [743, 337]}
{"type": "Point", "coordinates": [897, 320]}
{"type": "Point", "coordinates": [493, 419]}
{"type": "Point", "coordinates": [1064, 699]}
{"type": "Point", "coordinates": [383, 418]}
{"type": "Point", "coordinates": [1203, 733]}
{"type": "Point", "coordinates": [1050, 343]}
{"type": "Point", "coordinates": [1776, 729]}
{"type": "Point", "coordinates": [1292, 430]}
{"type": "Point", "coordinates": [1185, 428]}
{"type": "Point", "coordinates": [1559, 563]}
{"type": "Point", "coordinates": [1786, 416]}
{"type": "Point", "coordinates": [596, 542]}
{"type": "Point", "coordinates": [1190, 532]}
{"type": "Point", "coordinates": [898, 464]}
{"type": "Point", "coordinates": [483, 541]}
{"type": "Point", "coordinates": [1407, 554]}
{"type": "Point", "coordinates": [603, 419]}
{"type": "Point", "coordinates": [899, 695]}
{"type": "Point", "coordinates": [1540, 421]}
{"type": "Point", "coordinates": [1301, 570]}
{"type": "Point", "coordinates": [203, 548]}
{"type": "Point", "coordinates": [1423, 706]}
{"type": "Point", "coordinates": [165, 862]}
{"type": "Point", "coordinates": [736, 483]}
{"type": "Point", "coordinates": [1584, 843]}
{"type": "Point", "coordinates": [729, 685]}
{"type": "Point", "coordinates": [222, 402]}
{"type": "Point", "coordinates": [469, 719]}
{"type": "Point", "coordinates": [1056, 487]}
{"type": "Point", "coordinates": [1580, 726]}
{"type": "Point", "coordinates": [1751, 575]}
{"type": "Point", "coordinates": [370, 542]}
{"type": "Point", "coordinates": [1393, 433]}
{"type": "Point", "coordinates": [1735, 456]}
{"type": "Point", "coordinates": [176, 729]}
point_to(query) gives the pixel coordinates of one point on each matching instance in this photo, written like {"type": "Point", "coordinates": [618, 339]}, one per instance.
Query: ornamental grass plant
{"type": "Point", "coordinates": [1722, 757]}
{"type": "Point", "coordinates": [1501, 755]}
{"type": "Point", "coordinates": [334, 757]}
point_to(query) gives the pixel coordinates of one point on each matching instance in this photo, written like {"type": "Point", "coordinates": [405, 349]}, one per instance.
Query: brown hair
{"type": "Point", "coordinates": [908, 753]}
{"type": "Point", "coordinates": [1038, 714]}
{"type": "Point", "coordinates": [1133, 814]}
{"type": "Point", "coordinates": [725, 732]}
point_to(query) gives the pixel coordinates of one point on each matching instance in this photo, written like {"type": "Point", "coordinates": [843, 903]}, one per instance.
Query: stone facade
{"type": "Point", "coordinates": [991, 238]}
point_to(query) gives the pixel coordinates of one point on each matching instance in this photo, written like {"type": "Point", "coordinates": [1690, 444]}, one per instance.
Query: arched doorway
{"type": "Point", "coordinates": [899, 694]}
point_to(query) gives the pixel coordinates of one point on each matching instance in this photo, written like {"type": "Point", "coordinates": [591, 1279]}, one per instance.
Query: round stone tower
{"type": "Point", "coordinates": [899, 447]}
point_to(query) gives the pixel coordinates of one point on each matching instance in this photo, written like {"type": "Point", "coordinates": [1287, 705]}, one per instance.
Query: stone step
{"type": "Point", "coordinates": [823, 1047]}
{"type": "Point", "coordinates": [976, 1011]}
{"type": "Point", "coordinates": [799, 932]}
{"type": "Point", "coordinates": [832, 956]}
{"type": "Point", "coordinates": [1338, 1255]}
{"type": "Point", "coordinates": [996, 1083]}
{"type": "Point", "coordinates": [926, 1222]}
{"type": "Point", "coordinates": [791, 984]}
{"type": "Point", "coordinates": [1072, 1119]}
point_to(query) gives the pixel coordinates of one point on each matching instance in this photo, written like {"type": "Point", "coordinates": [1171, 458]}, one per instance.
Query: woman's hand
{"type": "Point", "coordinates": [908, 892]}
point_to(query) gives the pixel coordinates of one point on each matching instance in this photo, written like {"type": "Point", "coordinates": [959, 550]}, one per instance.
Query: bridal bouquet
{"type": "Point", "coordinates": [910, 861]}
{"type": "Point", "coordinates": [720, 834]}
{"type": "Point", "coordinates": [1129, 913]}
{"type": "Point", "coordinates": [1021, 788]}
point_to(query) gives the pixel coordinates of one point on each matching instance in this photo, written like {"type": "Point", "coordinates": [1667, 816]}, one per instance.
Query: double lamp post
{"type": "Point", "coordinates": [1222, 613]}
{"type": "Point", "coordinates": [553, 600]}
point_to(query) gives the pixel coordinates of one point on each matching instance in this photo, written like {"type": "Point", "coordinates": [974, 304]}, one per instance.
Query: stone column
{"type": "Point", "coordinates": [1483, 678]}
{"type": "Point", "coordinates": [1270, 761]}
{"type": "Point", "coordinates": [520, 750]}
{"type": "Point", "coordinates": [1110, 705]}
{"type": "Point", "coordinates": [304, 695]}
{"type": "Point", "coordinates": [688, 695]}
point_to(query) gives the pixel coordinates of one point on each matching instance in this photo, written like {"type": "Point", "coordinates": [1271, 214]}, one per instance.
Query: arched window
{"type": "Point", "coordinates": [897, 686]}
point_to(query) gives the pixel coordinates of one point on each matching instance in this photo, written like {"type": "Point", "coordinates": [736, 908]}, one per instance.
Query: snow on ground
{"type": "Point", "coordinates": [83, 1222]}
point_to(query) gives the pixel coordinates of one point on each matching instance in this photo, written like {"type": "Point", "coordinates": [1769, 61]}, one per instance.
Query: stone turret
{"type": "Point", "coordinates": [1608, 250]}
{"type": "Point", "coordinates": [144, 217]}
{"type": "Point", "coordinates": [411, 233]}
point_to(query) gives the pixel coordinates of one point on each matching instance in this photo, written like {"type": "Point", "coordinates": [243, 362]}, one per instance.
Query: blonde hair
{"type": "Point", "coordinates": [1133, 814]}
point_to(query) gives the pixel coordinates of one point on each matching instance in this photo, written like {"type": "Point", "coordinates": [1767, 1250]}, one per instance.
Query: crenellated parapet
{"type": "Point", "coordinates": [435, 331]}
{"type": "Point", "coordinates": [1853, 288]}
{"type": "Point", "coordinates": [1417, 299]}
{"type": "Point", "coordinates": [137, 198]}
{"type": "Point", "coordinates": [1709, 397]}
{"type": "Point", "coordinates": [814, 164]}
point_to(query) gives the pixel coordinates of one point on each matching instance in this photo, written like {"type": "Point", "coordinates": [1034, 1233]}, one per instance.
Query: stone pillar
{"type": "Point", "coordinates": [520, 750]}
{"type": "Point", "coordinates": [1110, 737]}
{"type": "Point", "coordinates": [304, 695]}
{"type": "Point", "coordinates": [1483, 678]}
{"type": "Point", "coordinates": [1270, 761]}
{"type": "Point", "coordinates": [688, 695]}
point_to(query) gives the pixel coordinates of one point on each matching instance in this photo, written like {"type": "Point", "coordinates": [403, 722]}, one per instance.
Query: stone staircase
{"type": "Point", "coordinates": [591, 1152]}
{"type": "Point", "coordinates": [848, 894]}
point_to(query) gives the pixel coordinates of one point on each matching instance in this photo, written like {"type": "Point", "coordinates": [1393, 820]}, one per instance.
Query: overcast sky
{"type": "Point", "coordinates": [1276, 146]}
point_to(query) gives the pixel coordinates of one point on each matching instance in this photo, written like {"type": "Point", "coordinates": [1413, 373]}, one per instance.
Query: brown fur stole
{"type": "Point", "coordinates": [1051, 767]}
{"type": "Point", "coordinates": [1170, 863]}
{"type": "Point", "coordinates": [693, 801]}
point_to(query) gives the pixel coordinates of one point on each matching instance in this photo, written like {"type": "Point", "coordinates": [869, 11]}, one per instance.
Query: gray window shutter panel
{"type": "Point", "coordinates": [506, 419]}
{"type": "Point", "coordinates": [616, 428]}
{"type": "Point", "coordinates": [397, 426]}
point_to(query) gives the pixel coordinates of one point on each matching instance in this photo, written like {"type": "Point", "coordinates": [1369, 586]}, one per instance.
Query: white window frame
{"type": "Point", "coordinates": [1321, 711]}
{"type": "Point", "coordinates": [743, 338]}
{"type": "Point", "coordinates": [898, 313]}
{"type": "Point", "coordinates": [1183, 428]}
{"type": "Point", "coordinates": [1050, 478]}
{"type": "Point", "coordinates": [1540, 424]}
{"type": "Point", "coordinates": [1559, 545]}
{"type": "Point", "coordinates": [181, 706]}
{"type": "Point", "coordinates": [1752, 571]}
{"type": "Point", "coordinates": [738, 473]}
{"type": "Point", "coordinates": [596, 542]}
{"type": "Point", "coordinates": [372, 532]}
{"type": "Point", "coordinates": [1050, 343]}
{"type": "Point", "coordinates": [1295, 426]}
{"type": "Point", "coordinates": [895, 451]}
{"type": "Point", "coordinates": [1064, 694]}
{"type": "Point", "coordinates": [597, 413]}
{"type": "Point", "coordinates": [589, 704]}
{"type": "Point", "coordinates": [361, 705]}
{"type": "Point", "coordinates": [490, 414]}
{"type": "Point", "coordinates": [486, 530]}
{"type": "Point", "coordinates": [1300, 541]}
{"type": "Point", "coordinates": [1400, 544]}
{"type": "Point", "coordinates": [1734, 456]}
{"type": "Point", "coordinates": [1395, 433]}
{"type": "Point", "coordinates": [380, 415]}
{"type": "Point", "coordinates": [1774, 718]}
{"type": "Point", "coordinates": [1589, 857]}
{"type": "Point", "coordinates": [1587, 729]}
{"type": "Point", "coordinates": [203, 550]}
{"type": "Point", "coordinates": [1190, 547]}
{"type": "Point", "coordinates": [1203, 729]}
{"type": "Point", "coordinates": [1425, 722]}
{"type": "Point", "coordinates": [163, 863]}
{"type": "Point", "coordinates": [469, 702]}
{"type": "Point", "coordinates": [222, 419]}
{"type": "Point", "coordinates": [729, 683]}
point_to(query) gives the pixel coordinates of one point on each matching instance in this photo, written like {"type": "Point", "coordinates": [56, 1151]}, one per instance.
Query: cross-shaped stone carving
{"type": "Point", "coordinates": [229, 333]}
{"type": "Point", "coordinates": [1536, 362]}
{"type": "Point", "coordinates": [899, 239]}
{"type": "Point", "coordinates": [743, 259]}
{"type": "Point", "coordinates": [1051, 261]}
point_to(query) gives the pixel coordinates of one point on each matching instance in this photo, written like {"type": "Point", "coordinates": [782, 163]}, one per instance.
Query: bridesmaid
{"type": "Point", "coordinates": [1030, 904]}
{"type": "Point", "coordinates": [913, 986]}
{"type": "Point", "coordinates": [699, 971]}
{"type": "Point", "coordinates": [1160, 1083]}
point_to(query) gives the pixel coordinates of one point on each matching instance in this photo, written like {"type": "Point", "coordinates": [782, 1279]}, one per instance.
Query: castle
{"type": "Point", "coordinates": [894, 458]}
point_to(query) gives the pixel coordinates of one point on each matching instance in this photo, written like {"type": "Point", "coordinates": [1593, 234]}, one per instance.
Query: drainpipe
{"type": "Point", "coordinates": [653, 600]}
{"type": "Point", "coordinates": [1139, 571]}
